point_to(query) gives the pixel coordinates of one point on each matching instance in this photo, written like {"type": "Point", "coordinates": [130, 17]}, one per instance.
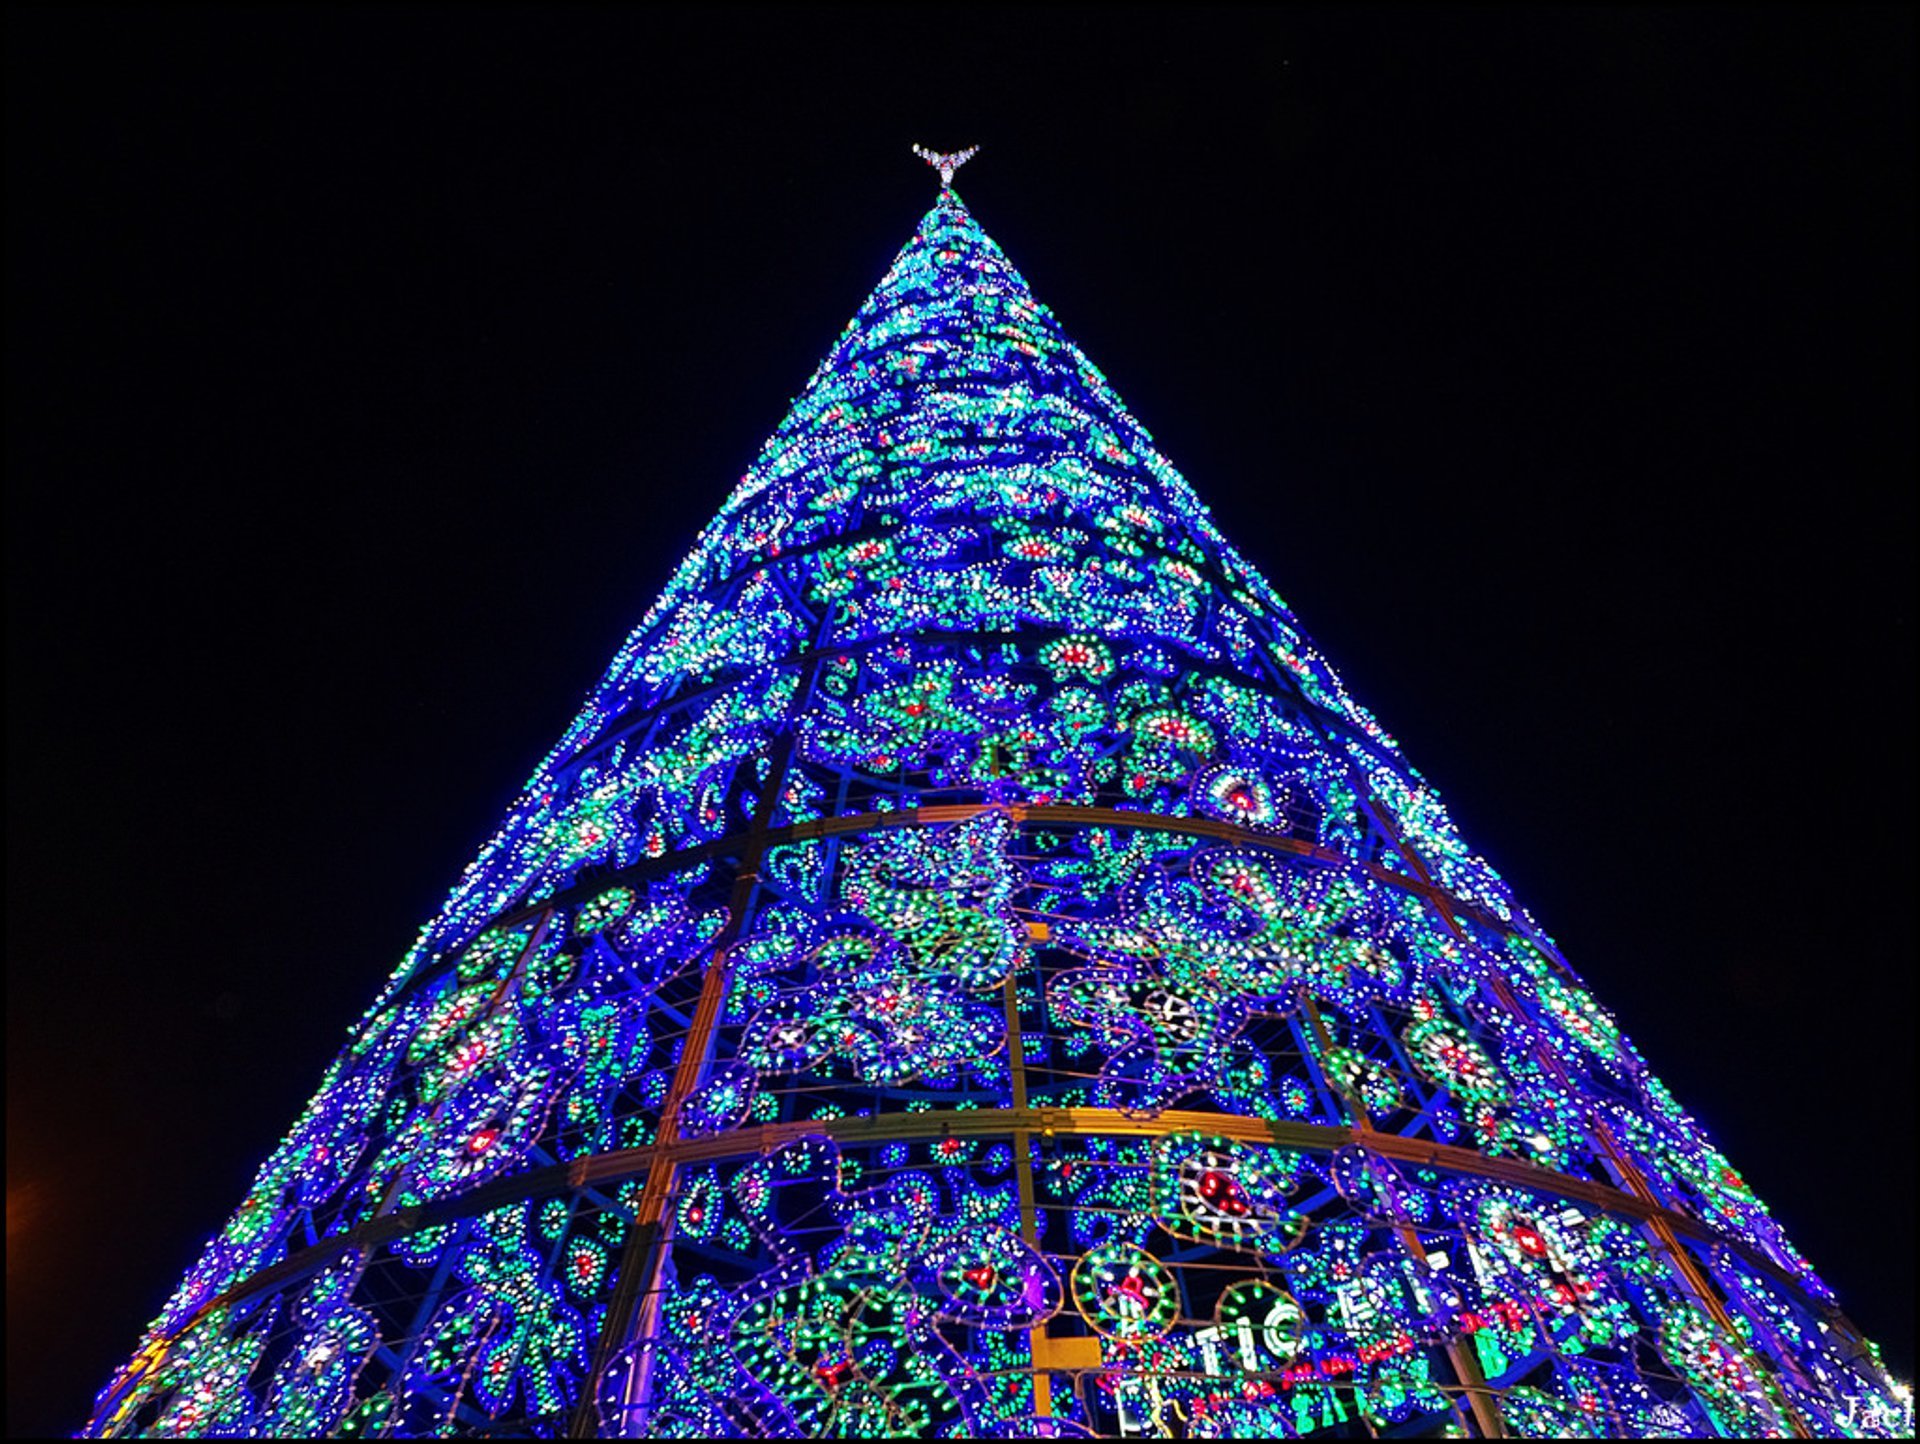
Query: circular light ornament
{"type": "Point", "coordinates": [1087, 657]}
{"type": "Point", "coordinates": [1722, 1375]}
{"type": "Point", "coordinates": [1364, 1078]}
{"type": "Point", "coordinates": [1448, 1055]}
{"type": "Point", "coordinates": [993, 1279]}
{"type": "Point", "coordinates": [1243, 797]}
{"type": "Point", "coordinates": [449, 1019]}
{"type": "Point", "coordinates": [1230, 1195]}
{"type": "Point", "coordinates": [722, 1102]}
{"type": "Point", "coordinates": [492, 954]}
{"type": "Point", "coordinates": [883, 1240]}
{"type": "Point", "coordinates": [698, 1213]}
{"type": "Point", "coordinates": [313, 1387]}
{"type": "Point", "coordinates": [488, 1131]}
{"type": "Point", "coordinates": [585, 1266]}
{"type": "Point", "coordinates": [601, 913]}
{"type": "Point", "coordinates": [1172, 729]}
{"type": "Point", "coordinates": [1125, 1293]}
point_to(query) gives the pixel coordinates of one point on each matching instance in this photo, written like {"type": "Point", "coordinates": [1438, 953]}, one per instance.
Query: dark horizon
{"type": "Point", "coordinates": [369, 372]}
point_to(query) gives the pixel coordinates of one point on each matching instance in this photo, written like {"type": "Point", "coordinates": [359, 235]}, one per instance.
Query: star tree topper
{"type": "Point", "coordinates": [946, 164]}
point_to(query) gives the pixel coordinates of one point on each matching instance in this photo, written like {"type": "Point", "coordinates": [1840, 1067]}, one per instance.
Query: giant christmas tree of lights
{"type": "Point", "coordinates": [972, 969]}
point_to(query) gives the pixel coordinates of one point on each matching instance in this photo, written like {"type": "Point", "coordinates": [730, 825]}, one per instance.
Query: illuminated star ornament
{"type": "Point", "coordinates": [946, 164]}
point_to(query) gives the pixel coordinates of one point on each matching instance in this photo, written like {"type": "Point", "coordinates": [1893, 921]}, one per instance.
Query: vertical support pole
{"type": "Point", "coordinates": [1615, 1157]}
{"type": "Point", "coordinates": [1684, 1263]}
{"type": "Point", "coordinates": [636, 1292]}
{"type": "Point", "coordinates": [1466, 1364]}
{"type": "Point", "coordinates": [1023, 1179]}
{"type": "Point", "coordinates": [633, 1310]}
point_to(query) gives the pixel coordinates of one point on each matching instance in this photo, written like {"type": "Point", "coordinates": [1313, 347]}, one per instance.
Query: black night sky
{"type": "Point", "coordinates": [368, 370]}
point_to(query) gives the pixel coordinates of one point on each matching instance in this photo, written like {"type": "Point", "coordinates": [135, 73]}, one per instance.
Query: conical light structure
{"type": "Point", "coordinates": [972, 969]}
